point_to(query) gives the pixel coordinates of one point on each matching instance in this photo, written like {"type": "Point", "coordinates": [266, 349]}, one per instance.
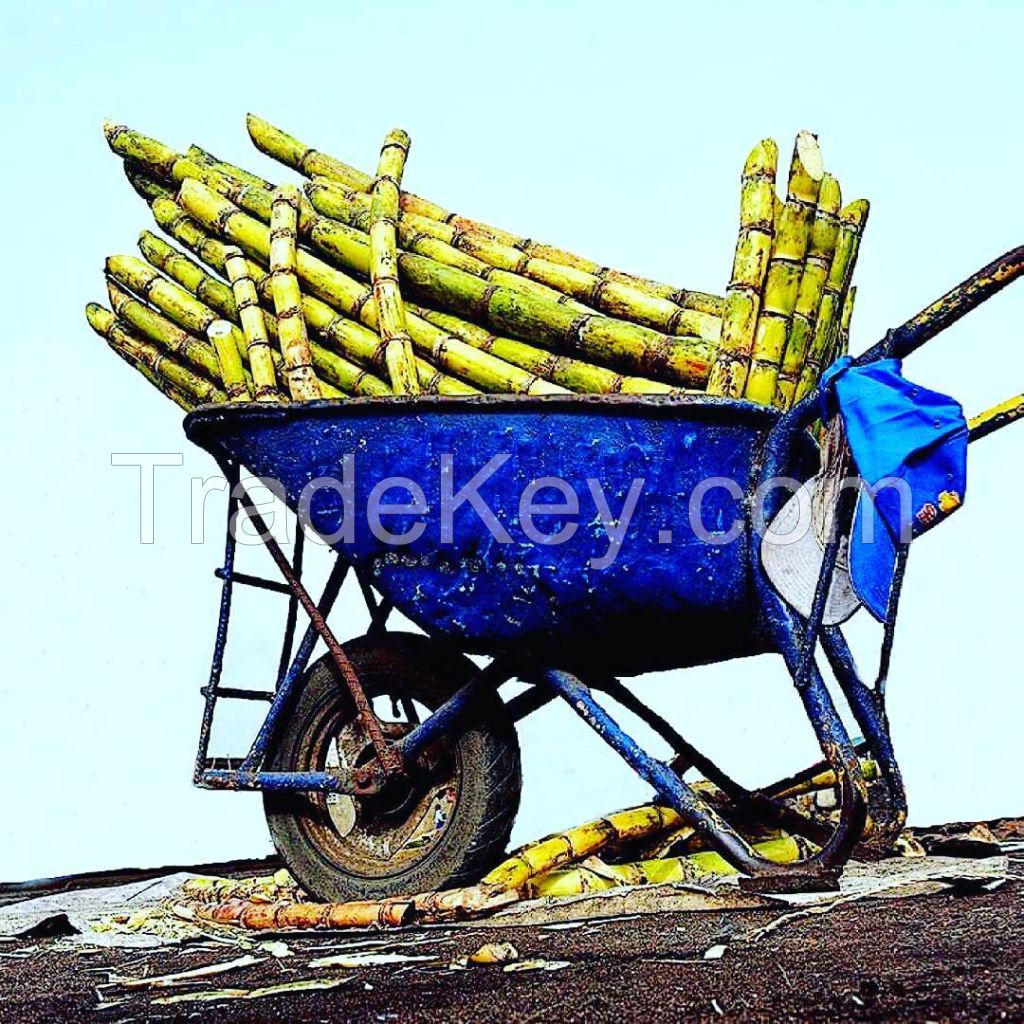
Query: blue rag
{"type": "Point", "coordinates": [910, 447]}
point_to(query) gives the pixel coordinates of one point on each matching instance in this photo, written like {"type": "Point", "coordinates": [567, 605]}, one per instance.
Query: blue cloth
{"type": "Point", "coordinates": [909, 440]}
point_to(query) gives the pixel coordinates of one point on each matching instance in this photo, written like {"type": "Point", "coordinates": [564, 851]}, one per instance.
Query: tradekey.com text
{"type": "Point", "coordinates": [431, 511]}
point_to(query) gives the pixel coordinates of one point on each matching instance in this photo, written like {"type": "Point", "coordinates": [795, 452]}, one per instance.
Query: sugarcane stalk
{"type": "Point", "coordinates": [206, 159]}
{"type": "Point", "coordinates": [843, 340]}
{"type": "Point", "coordinates": [119, 336]}
{"type": "Point", "coordinates": [493, 261]}
{"type": "Point", "coordinates": [282, 147]}
{"type": "Point", "coordinates": [177, 304]}
{"type": "Point", "coordinates": [618, 343]}
{"type": "Point", "coordinates": [147, 187]}
{"type": "Point", "coordinates": [348, 337]}
{"type": "Point", "coordinates": [398, 354]}
{"type": "Point", "coordinates": [163, 332]}
{"type": "Point", "coordinates": [750, 264]}
{"type": "Point", "coordinates": [336, 371]}
{"type": "Point", "coordinates": [223, 337]}
{"type": "Point", "coordinates": [356, 300]}
{"type": "Point", "coordinates": [573, 374]}
{"type": "Point", "coordinates": [254, 325]}
{"type": "Point", "coordinates": [160, 383]}
{"type": "Point", "coordinates": [582, 841]}
{"type": "Point", "coordinates": [785, 269]}
{"type": "Point", "coordinates": [820, 250]}
{"type": "Point", "coordinates": [852, 220]}
{"type": "Point", "coordinates": [173, 300]}
{"type": "Point", "coordinates": [299, 373]}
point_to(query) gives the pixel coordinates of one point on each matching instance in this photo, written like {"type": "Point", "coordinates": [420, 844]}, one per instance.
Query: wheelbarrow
{"type": "Point", "coordinates": [555, 536]}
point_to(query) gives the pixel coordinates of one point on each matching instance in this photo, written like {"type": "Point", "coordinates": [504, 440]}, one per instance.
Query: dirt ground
{"type": "Point", "coordinates": [945, 957]}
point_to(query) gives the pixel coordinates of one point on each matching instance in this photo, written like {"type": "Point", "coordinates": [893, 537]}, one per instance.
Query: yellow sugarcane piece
{"type": "Point", "coordinates": [391, 321]}
{"type": "Point", "coordinates": [595, 875]}
{"type": "Point", "coordinates": [254, 325]}
{"type": "Point", "coordinates": [579, 842]}
{"type": "Point", "coordinates": [750, 264]}
{"type": "Point", "coordinates": [298, 359]}
{"type": "Point", "coordinates": [223, 337]}
{"type": "Point", "coordinates": [852, 219]}
{"type": "Point", "coordinates": [785, 269]}
{"type": "Point", "coordinates": [314, 164]}
{"type": "Point", "coordinates": [119, 336]}
{"type": "Point", "coordinates": [820, 250]}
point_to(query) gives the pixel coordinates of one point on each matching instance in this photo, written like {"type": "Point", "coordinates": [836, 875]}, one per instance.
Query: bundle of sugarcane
{"type": "Point", "coordinates": [355, 287]}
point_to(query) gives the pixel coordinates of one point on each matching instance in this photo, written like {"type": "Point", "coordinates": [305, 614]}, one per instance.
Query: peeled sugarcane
{"type": "Point", "coordinates": [852, 219]}
{"type": "Point", "coordinates": [289, 151]}
{"type": "Point", "coordinates": [750, 264]}
{"type": "Point", "coordinates": [190, 384]}
{"type": "Point", "coordinates": [573, 374]}
{"type": "Point", "coordinates": [820, 250]}
{"type": "Point", "coordinates": [163, 332]}
{"type": "Point", "coordinates": [494, 261]}
{"type": "Point", "coordinates": [254, 326]}
{"type": "Point", "coordinates": [356, 300]}
{"type": "Point", "coordinates": [785, 269]}
{"type": "Point", "coordinates": [298, 359]}
{"type": "Point", "coordinates": [398, 355]}
{"type": "Point", "coordinates": [349, 337]}
{"type": "Point", "coordinates": [223, 337]}
{"type": "Point", "coordinates": [340, 372]}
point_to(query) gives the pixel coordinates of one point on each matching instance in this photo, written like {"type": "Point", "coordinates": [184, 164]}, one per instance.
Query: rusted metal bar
{"type": "Point", "coordinates": [390, 760]}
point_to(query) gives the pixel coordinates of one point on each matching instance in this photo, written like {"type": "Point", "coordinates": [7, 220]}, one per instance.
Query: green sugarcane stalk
{"type": "Point", "coordinates": [148, 187]}
{"type": "Point", "coordinates": [356, 300]}
{"type": "Point", "coordinates": [337, 372]}
{"type": "Point", "coordinates": [785, 269]}
{"type": "Point", "coordinates": [222, 336]}
{"type": "Point", "coordinates": [151, 325]}
{"type": "Point", "coordinates": [398, 354]}
{"type": "Point", "coordinates": [206, 159]}
{"type": "Point", "coordinates": [331, 326]}
{"type": "Point", "coordinates": [573, 374]}
{"type": "Point", "coordinates": [311, 163]}
{"type": "Point", "coordinates": [820, 250]}
{"type": "Point", "coordinates": [174, 301]}
{"type": "Point", "coordinates": [484, 257]}
{"type": "Point", "coordinates": [160, 383]}
{"type": "Point", "coordinates": [299, 373]}
{"type": "Point", "coordinates": [750, 264]}
{"type": "Point", "coordinates": [617, 343]}
{"type": "Point", "coordinates": [636, 348]}
{"type": "Point", "coordinates": [195, 388]}
{"type": "Point", "coordinates": [254, 326]}
{"type": "Point", "coordinates": [852, 220]}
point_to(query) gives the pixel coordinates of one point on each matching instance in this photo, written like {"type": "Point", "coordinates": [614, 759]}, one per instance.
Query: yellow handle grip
{"type": "Point", "coordinates": [998, 416]}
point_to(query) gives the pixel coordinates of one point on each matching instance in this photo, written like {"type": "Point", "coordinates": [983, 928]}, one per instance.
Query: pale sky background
{"type": "Point", "coordinates": [617, 131]}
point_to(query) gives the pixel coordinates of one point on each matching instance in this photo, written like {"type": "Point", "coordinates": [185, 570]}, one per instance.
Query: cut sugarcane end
{"type": "Point", "coordinates": [809, 151]}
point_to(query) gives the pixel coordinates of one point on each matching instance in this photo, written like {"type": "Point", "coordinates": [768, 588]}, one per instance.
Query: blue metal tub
{"type": "Point", "coordinates": [662, 597]}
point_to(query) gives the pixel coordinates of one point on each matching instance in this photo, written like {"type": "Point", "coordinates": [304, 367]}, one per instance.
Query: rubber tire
{"type": "Point", "coordinates": [488, 748]}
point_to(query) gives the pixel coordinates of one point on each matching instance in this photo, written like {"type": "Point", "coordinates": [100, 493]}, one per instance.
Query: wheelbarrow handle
{"type": "Point", "coordinates": [944, 312]}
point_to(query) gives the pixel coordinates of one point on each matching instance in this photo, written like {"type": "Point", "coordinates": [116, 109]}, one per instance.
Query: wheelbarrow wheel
{"type": "Point", "coordinates": [446, 827]}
